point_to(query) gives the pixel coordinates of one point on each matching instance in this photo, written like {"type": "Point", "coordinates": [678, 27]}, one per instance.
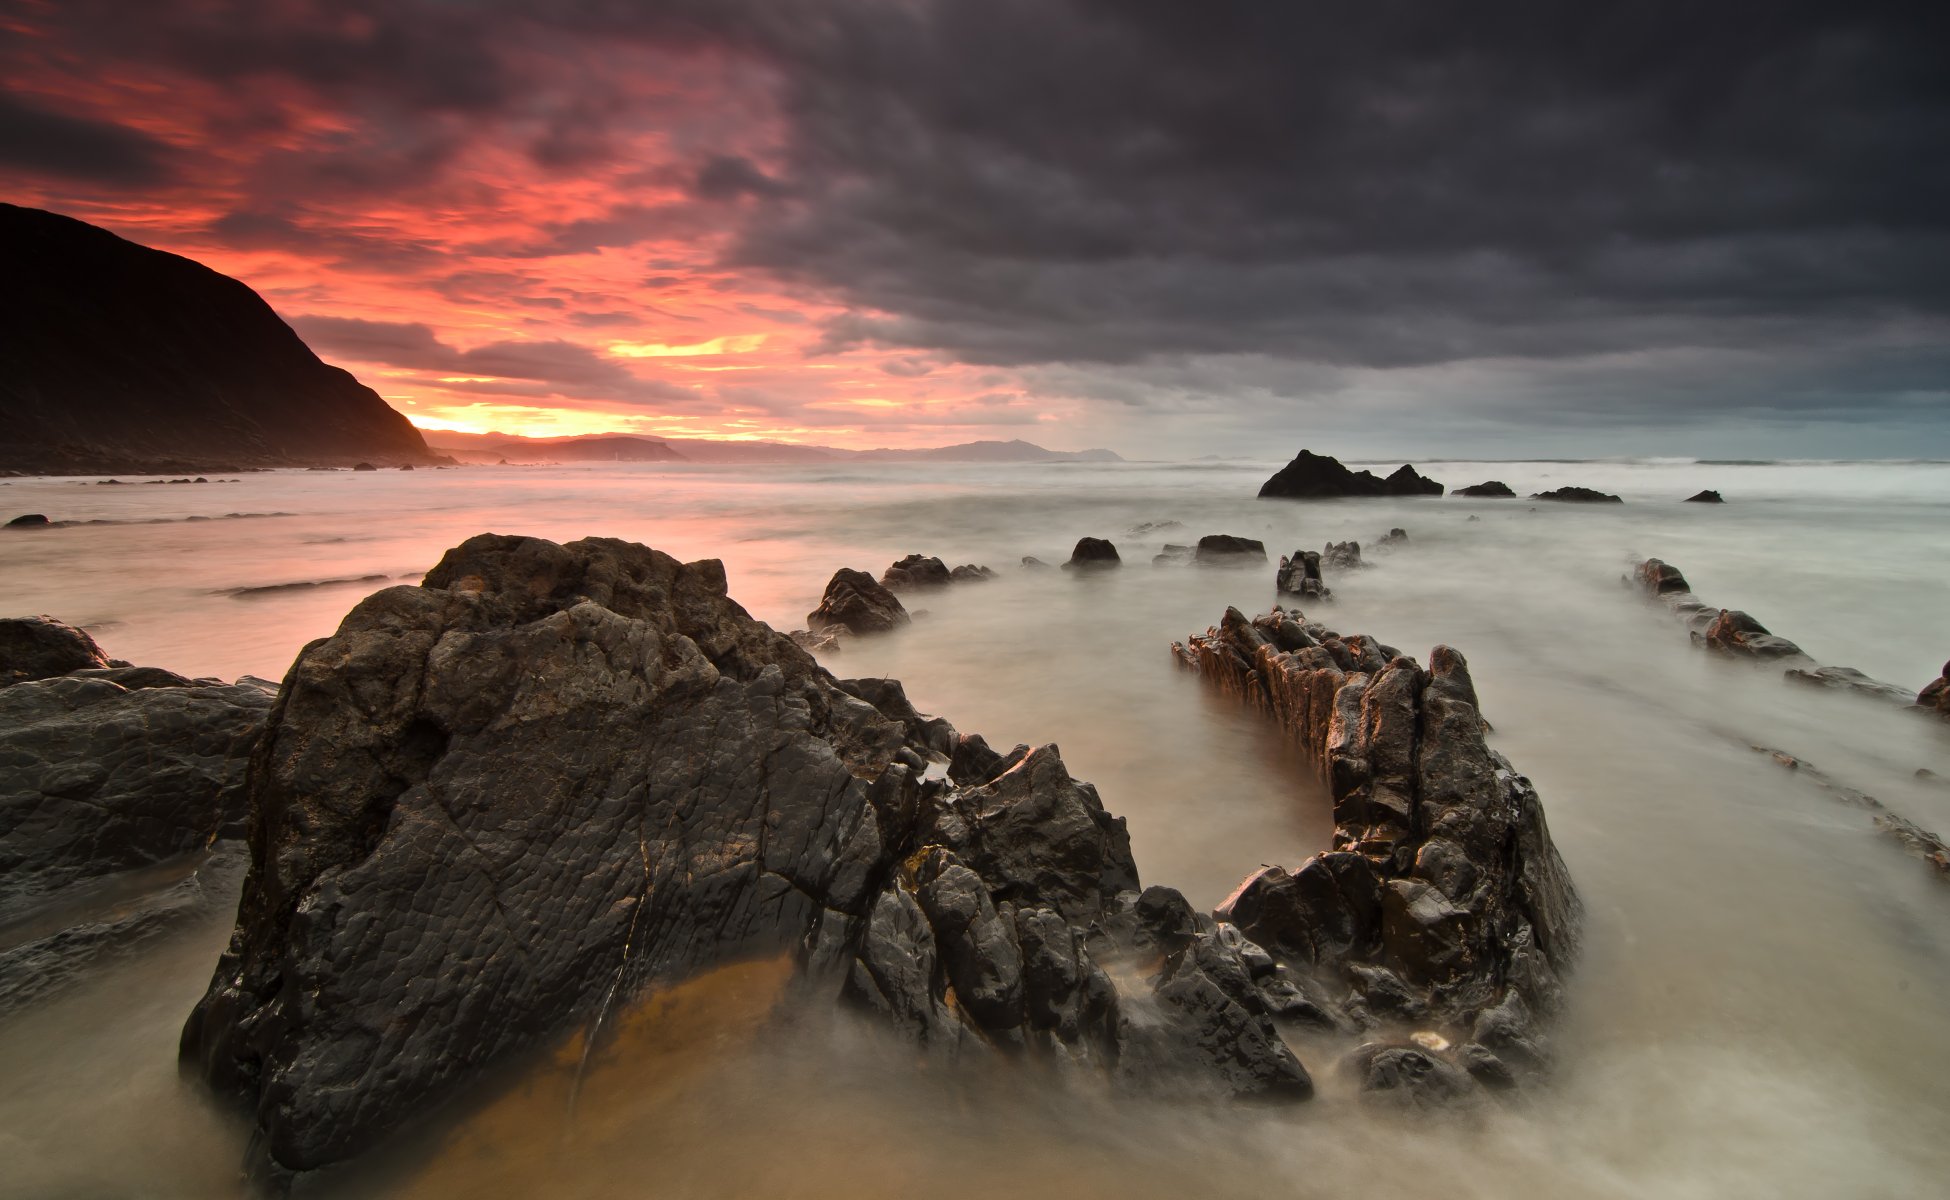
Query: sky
{"type": "Point", "coordinates": [1173, 229]}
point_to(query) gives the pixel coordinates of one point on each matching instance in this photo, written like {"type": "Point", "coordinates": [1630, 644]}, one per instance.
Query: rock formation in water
{"type": "Point", "coordinates": [971, 573]}
{"type": "Point", "coordinates": [122, 358]}
{"type": "Point", "coordinates": [1577, 495]}
{"type": "Point", "coordinates": [1395, 537]}
{"type": "Point", "coordinates": [107, 771]}
{"type": "Point", "coordinates": [1443, 908]}
{"type": "Point", "coordinates": [1935, 695]}
{"type": "Point", "coordinates": [1494, 489]}
{"type": "Point", "coordinates": [1313, 476]}
{"type": "Point", "coordinates": [915, 571]}
{"type": "Point", "coordinates": [28, 521]}
{"type": "Point", "coordinates": [1092, 554]}
{"type": "Point", "coordinates": [1299, 575]}
{"type": "Point", "coordinates": [1223, 549]}
{"type": "Point", "coordinates": [855, 603]}
{"type": "Point", "coordinates": [495, 806]}
{"type": "Point", "coordinates": [1342, 556]}
{"type": "Point", "coordinates": [1705, 497]}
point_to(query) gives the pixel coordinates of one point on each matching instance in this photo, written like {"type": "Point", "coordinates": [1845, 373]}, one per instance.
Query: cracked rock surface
{"type": "Point", "coordinates": [493, 806]}
{"type": "Point", "coordinates": [1443, 909]}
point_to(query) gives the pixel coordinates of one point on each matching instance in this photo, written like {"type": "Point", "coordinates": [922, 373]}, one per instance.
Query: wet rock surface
{"type": "Point", "coordinates": [1299, 575]}
{"type": "Point", "coordinates": [914, 571]}
{"type": "Point", "coordinates": [1092, 554]}
{"type": "Point", "coordinates": [1443, 909]}
{"type": "Point", "coordinates": [1578, 495]}
{"type": "Point", "coordinates": [491, 807]}
{"type": "Point", "coordinates": [1494, 489]}
{"type": "Point", "coordinates": [854, 602]}
{"type": "Point", "coordinates": [1935, 695]}
{"type": "Point", "coordinates": [1313, 476]}
{"type": "Point", "coordinates": [1223, 549]}
{"type": "Point", "coordinates": [41, 647]}
{"type": "Point", "coordinates": [107, 769]}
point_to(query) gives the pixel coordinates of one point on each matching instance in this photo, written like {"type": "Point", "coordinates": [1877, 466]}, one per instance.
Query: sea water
{"type": "Point", "coordinates": [1759, 1009]}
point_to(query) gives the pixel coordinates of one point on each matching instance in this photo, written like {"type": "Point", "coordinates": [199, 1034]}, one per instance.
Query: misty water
{"type": "Point", "coordinates": [1759, 1009]}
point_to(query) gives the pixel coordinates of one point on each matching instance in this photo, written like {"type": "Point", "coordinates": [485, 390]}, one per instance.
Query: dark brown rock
{"type": "Point", "coordinates": [1223, 549]}
{"type": "Point", "coordinates": [1705, 497]}
{"type": "Point", "coordinates": [1494, 489]}
{"type": "Point", "coordinates": [915, 571]}
{"type": "Point", "coordinates": [28, 521]}
{"type": "Point", "coordinates": [1577, 495]}
{"type": "Point", "coordinates": [1313, 476]}
{"type": "Point", "coordinates": [855, 603]}
{"type": "Point", "coordinates": [1299, 575]}
{"type": "Point", "coordinates": [42, 647]}
{"type": "Point", "coordinates": [1092, 554]}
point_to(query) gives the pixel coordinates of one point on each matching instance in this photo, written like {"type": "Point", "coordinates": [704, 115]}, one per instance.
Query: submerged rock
{"type": "Point", "coordinates": [1394, 537]}
{"type": "Point", "coordinates": [492, 807]}
{"type": "Point", "coordinates": [1299, 575]}
{"type": "Point", "coordinates": [1705, 497]}
{"type": "Point", "coordinates": [1092, 554]}
{"type": "Point", "coordinates": [1578, 495]}
{"type": "Point", "coordinates": [1342, 556]}
{"type": "Point", "coordinates": [970, 573]}
{"type": "Point", "coordinates": [42, 647]}
{"type": "Point", "coordinates": [854, 602]}
{"type": "Point", "coordinates": [1315, 476]}
{"type": "Point", "coordinates": [1223, 549]}
{"type": "Point", "coordinates": [1492, 489]}
{"type": "Point", "coordinates": [914, 571]}
{"type": "Point", "coordinates": [1443, 907]}
{"type": "Point", "coordinates": [1846, 679]}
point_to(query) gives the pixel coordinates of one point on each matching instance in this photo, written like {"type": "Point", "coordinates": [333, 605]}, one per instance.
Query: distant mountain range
{"type": "Point", "coordinates": [116, 357]}
{"type": "Point", "coordinates": [508, 448]}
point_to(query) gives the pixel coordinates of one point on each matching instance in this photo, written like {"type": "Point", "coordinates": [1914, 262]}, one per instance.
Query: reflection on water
{"type": "Point", "coordinates": [1759, 1012]}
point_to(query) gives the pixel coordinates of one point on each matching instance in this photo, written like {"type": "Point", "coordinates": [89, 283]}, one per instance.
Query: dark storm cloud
{"type": "Point", "coordinates": [33, 138]}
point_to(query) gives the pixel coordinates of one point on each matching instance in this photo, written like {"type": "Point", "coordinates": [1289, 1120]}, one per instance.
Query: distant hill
{"type": "Point", "coordinates": [596, 449]}
{"type": "Point", "coordinates": [116, 357]}
{"type": "Point", "coordinates": [493, 447]}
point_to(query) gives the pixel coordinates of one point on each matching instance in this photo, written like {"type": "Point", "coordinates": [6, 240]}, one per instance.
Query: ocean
{"type": "Point", "coordinates": [1759, 1009]}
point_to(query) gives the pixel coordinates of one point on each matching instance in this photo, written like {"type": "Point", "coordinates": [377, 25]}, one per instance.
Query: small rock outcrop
{"type": "Point", "coordinates": [1734, 633]}
{"type": "Point", "coordinates": [914, 571]}
{"type": "Point", "coordinates": [1299, 575]}
{"type": "Point", "coordinates": [1705, 497]}
{"type": "Point", "coordinates": [1174, 555]}
{"type": "Point", "coordinates": [1092, 554]}
{"type": "Point", "coordinates": [970, 573]}
{"type": "Point", "coordinates": [1223, 549]}
{"type": "Point", "coordinates": [28, 521]}
{"type": "Point", "coordinates": [1342, 556]}
{"type": "Point", "coordinates": [1443, 915]}
{"type": "Point", "coordinates": [1494, 489]}
{"type": "Point", "coordinates": [1578, 495]}
{"type": "Point", "coordinates": [1393, 538]}
{"type": "Point", "coordinates": [495, 806]}
{"type": "Point", "coordinates": [1313, 476]}
{"type": "Point", "coordinates": [1935, 695]}
{"type": "Point", "coordinates": [856, 603]}
{"type": "Point", "coordinates": [42, 647]}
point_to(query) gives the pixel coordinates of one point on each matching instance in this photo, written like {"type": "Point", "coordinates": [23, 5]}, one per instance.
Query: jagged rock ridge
{"type": "Point", "coordinates": [1444, 906]}
{"type": "Point", "coordinates": [494, 805]}
{"type": "Point", "coordinates": [1313, 476]}
{"type": "Point", "coordinates": [122, 358]}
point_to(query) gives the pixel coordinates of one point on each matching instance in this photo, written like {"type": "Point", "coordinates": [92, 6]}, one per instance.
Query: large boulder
{"type": "Point", "coordinates": [855, 603]}
{"type": "Point", "coordinates": [1738, 635]}
{"type": "Point", "coordinates": [1299, 575]}
{"type": "Point", "coordinates": [1494, 489]}
{"type": "Point", "coordinates": [1577, 495]}
{"type": "Point", "coordinates": [111, 769]}
{"type": "Point", "coordinates": [1313, 476]}
{"type": "Point", "coordinates": [492, 808]}
{"type": "Point", "coordinates": [1092, 554]}
{"type": "Point", "coordinates": [1443, 907]}
{"type": "Point", "coordinates": [42, 647]}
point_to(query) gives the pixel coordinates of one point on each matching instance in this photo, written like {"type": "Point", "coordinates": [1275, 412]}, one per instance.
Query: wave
{"type": "Point", "coordinates": [261, 590]}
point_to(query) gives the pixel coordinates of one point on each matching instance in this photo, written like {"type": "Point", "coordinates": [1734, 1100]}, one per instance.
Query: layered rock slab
{"type": "Point", "coordinates": [1443, 905]}
{"type": "Point", "coordinates": [492, 806]}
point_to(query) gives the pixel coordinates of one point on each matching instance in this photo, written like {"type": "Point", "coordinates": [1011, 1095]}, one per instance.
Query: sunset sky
{"type": "Point", "coordinates": [1170, 229]}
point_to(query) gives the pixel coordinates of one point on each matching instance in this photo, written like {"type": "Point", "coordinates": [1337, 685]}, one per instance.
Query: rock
{"type": "Point", "coordinates": [111, 769]}
{"type": "Point", "coordinates": [1394, 537]}
{"type": "Point", "coordinates": [1935, 695]}
{"type": "Point", "coordinates": [364, 466]}
{"type": "Point", "coordinates": [27, 521]}
{"type": "Point", "coordinates": [1660, 578]}
{"type": "Point", "coordinates": [1144, 527]}
{"type": "Point", "coordinates": [1314, 476]}
{"type": "Point", "coordinates": [1577, 495]}
{"type": "Point", "coordinates": [1223, 549]}
{"type": "Point", "coordinates": [493, 807]}
{"type": "Point", "coordinates": [915, 571]}
{"type": "Point", "coordinates": [1847, 679]}
{"type": "Point", "coordinates": [1407, 1076]}
{"type": "Point", "coordinates": [970, 573]}
{"type": "Point", "coordinates": [1705, 497]}
{"type": "Point", "coordinates": [855, 603]}
{"type": "Point", "coordinates": [1174, 555]}
{"type": "Point", "coordinates": [1342, 556]}
{"type": "Point", "coordinates": [42, 647]}
{"type": "Point", "coordinates": [816, 643]}
{"type": "Point", "coordinates": [1443, 897]}
{"type": "Point", "coordinates": [1492, 489]}
{"type": "Point", "coordinates": [1299, 575]}
{"type": "Point", "coordinates": [1032, 563]}
{"type": "Point", "coordinates": [1736, 634]}
{"type": "Point", "coordinates": [1092, 554]}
